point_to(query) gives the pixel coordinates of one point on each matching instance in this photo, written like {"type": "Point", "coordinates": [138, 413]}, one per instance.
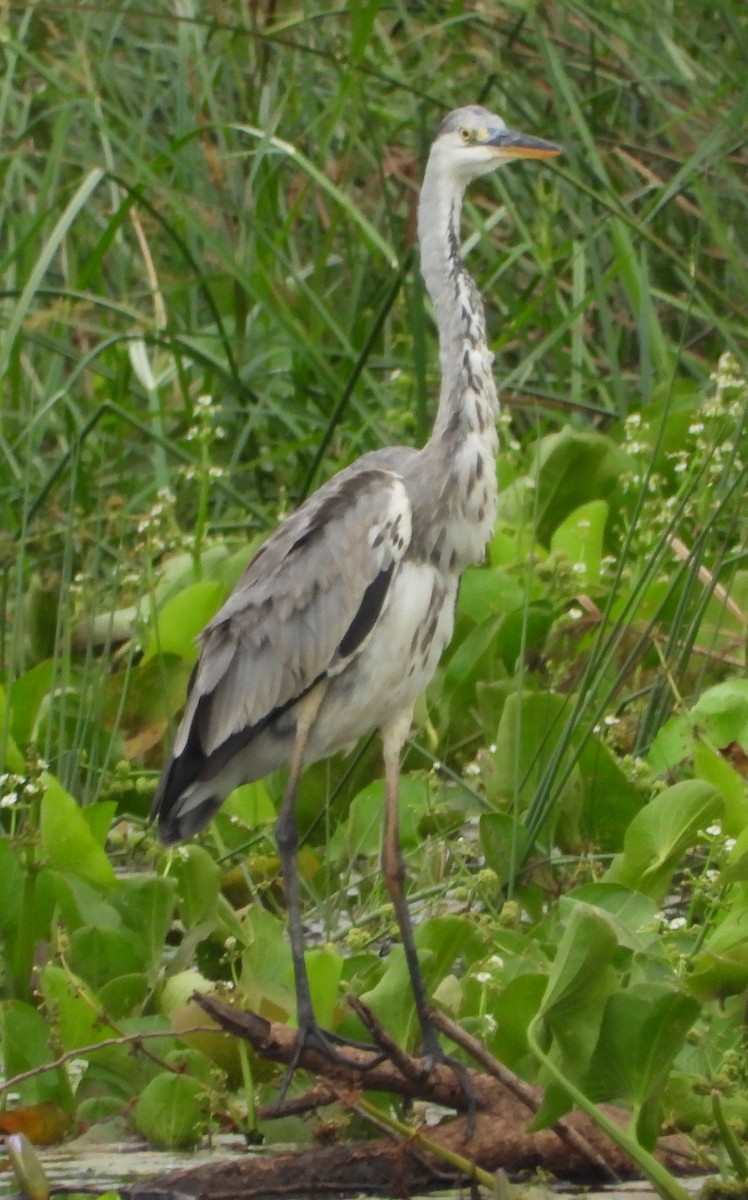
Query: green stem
{"type": "Point", "coordinates": [461, 1164]}
{"type": "Point", "coordinates": [737, 1158]}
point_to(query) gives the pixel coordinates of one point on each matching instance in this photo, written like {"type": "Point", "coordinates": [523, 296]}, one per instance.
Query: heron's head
{"type": "Point", "coordinates": [472, 141]}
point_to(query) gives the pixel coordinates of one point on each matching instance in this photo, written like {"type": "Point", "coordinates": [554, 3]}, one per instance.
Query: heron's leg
{"type": "Point", "coordinates": [287, 838]}
{"type": "Point", "coordinates": [394, 734]}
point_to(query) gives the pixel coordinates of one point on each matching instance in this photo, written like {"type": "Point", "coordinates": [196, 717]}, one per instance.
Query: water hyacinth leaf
{"type": "Point", "coordinates": [12, 759]}
{"type": "Point", "coordinates": [714, 768]}
{"type": "Point", "coordinates": [266, 977]}
{"type": "Point", "coordinates": [146, 907]}
{"type": "Point", "coordinates": [125, 995]}
{"type": "Point", "coordinates": [580, 539]}
{"type": "Point", "coordinates": [635, 917]}
{"type": "Point", "coordinates": [660, 834]}
{"type": "Point", "coordinates": [361, 832]}
{"type": "Point", "coordinates": [489, 592]}
{"type": "Point", "coordinates": [100, 955]}
{"type": "Point", "coordinates": [580, 981]}
{"type": "Point", "coordinates": [502, 843]}
{"type": "Point", "coordinates": [26, 696]}
{"type": "Point", "coordinates": [719, 716]}
{"type": "Point", "coordinates": [77, 1020]}
{"type": "Point", "coordinates": [66, 839]}
{"type": "Point", "coordinates": [182, 618]}
{"type": "Point", "coordinates": [512, 1012]}
{"type": "Point", "coordinates": [197, 877]}
{"type": "Point", "coordinates": [171, 1111]}
{"type": "Point", "coordinates": [98, 817]}
{"type": "Point", "coordinates": [720, 968]}
{"type": "Point", "coordinates": [25, 1041]}
{"type": "Point", "coordinates": [248, 808]}
{"type": "Point", "coordinates": [324, 966]}
{"type": "Point", "coordinates": [642, 1031]}
{"type": "Point", "coordinates": [440, 941]}
{"type": "Point", "coordinates": [571, 468]}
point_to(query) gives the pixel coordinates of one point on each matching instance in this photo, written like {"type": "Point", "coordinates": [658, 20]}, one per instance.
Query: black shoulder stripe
{"type": "Point", "coordinates": [369, 609]}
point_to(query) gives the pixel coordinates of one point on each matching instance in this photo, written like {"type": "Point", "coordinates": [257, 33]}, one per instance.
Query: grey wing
{"type": "Point", "coordinates": [303, 608]}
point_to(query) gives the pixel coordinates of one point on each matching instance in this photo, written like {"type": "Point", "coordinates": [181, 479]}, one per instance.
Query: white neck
{"type": "Point", "coordinates": [464, 442]}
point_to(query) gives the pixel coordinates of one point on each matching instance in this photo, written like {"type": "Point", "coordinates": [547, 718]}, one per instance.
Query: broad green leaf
{"type": "Point", "coordinates": [713, 768]}
{"type": "Point", "coordinates": [267, 974]}
{"type": "Point", "coordinates": [578, 979]}
{"type": "Point", "coordinates": [487, 592]}
{"type": "Point", "coordinates": [719, 716]}
{"type": "Point", "coordinates": [643, 1029]}
{"type": "Point", "coordinates": [25, 1042]}
{"type": "Point", "coordinates": [635, 917]}
{"type": "Point", "coordinates": [324, 968]}
{"type": "Point", "coordinates": [11, 758]}
{"type": "Point", "coordinates": [361, 832]}
{"type": "Point", "coordinates": [198, 884]}
{"type": "Point", "coordinates": [660, 834]}
{"type": "Point", "coordinates": [77, 1018]}
{"type": "Point", "coordinates": [98, 817]}
{"type": "Point", "coordinates": [503, 844]}
{"type": "Point", "coordinates": [182, 618]}
{"type": "Point", "coordinates": [579, 984]}
{"type": "Point", "coordinates": [571, 468]}
{"type": "Point", "coordinates": [580, 538]}
{"type": "Point", "coordinates": [26, 697]}
{"type": "Point", "coordinates": [440, 942]}
{"type": "Point", "coordinates": [147, 908]}
{"type": "Point", "coordinates": [99, 955]}
{"type": "Point", "coordinates": [171, 1111]}
{"type": "Point", "coordinates": [720, 968]}
{"type": "Point", "coordinates": [66, 840]}
{"type": "Point", "coordinates": [125, 995]}
{"type": "Point", "coordinates": [251, 805]}
{"type": "Point", "coordinates": [80, 1022]}
{"type": "Point", "coordinates": [512, 1012]}
{"type": "Point", "coordinates": [81, 903]}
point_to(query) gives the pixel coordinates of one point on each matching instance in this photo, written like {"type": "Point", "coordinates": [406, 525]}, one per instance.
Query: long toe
{"type": "Point", "coordinates": [330, 1046]}
{"type": "Point", "coordinates": [433, 1053]}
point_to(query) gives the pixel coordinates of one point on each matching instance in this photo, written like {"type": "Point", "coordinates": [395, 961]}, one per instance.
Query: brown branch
{"type": "Point", "coordinates": [125, 1039]}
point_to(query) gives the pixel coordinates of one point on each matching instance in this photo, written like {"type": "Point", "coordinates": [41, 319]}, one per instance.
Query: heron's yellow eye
{"type": "Point", "coordinates": [466, 135]}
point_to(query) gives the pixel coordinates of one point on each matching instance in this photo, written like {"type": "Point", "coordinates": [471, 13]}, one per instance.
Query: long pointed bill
{"type": "Point", "coordinates": [522, 145]}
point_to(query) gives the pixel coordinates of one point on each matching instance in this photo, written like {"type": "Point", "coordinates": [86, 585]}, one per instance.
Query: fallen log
{"type": "Point", "coordinates": [495, 1137]}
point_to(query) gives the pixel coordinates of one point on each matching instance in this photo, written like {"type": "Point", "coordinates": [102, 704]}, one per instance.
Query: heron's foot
{"type": "Point", "coordinates": [312, 1036]}
{"type": "Point", "coordinates": [433, 1053]}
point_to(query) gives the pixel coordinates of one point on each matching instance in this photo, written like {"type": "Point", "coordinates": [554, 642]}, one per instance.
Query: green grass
{"type": "Point", "coordinates": [209, 302]}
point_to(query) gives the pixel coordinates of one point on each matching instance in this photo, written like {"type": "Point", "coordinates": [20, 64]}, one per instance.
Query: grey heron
{"type": "Point", "coordinates": [341, 617]}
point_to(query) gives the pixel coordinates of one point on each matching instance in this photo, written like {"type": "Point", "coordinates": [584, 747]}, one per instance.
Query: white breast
{"type": "Point", "coordinates": [396, 663]}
